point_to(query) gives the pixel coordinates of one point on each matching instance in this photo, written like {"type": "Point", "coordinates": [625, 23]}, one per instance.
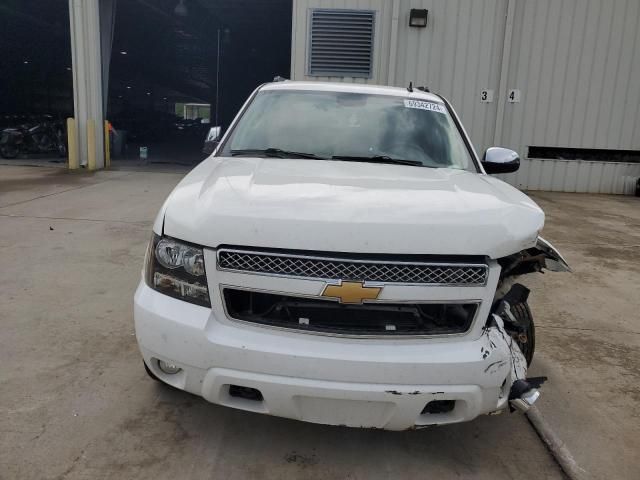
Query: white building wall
{"type": "Point", "coordinates": [453, 64]}
{"type": "Point", "coordinates": [576, 64]}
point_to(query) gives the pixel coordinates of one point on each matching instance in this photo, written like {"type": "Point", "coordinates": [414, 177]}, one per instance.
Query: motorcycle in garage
{"type": "Point", "coordinates": [43, 137]}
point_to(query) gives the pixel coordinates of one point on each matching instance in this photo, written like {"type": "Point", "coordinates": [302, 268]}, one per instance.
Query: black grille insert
{"type": "Point", "coordinates": [329, 316]}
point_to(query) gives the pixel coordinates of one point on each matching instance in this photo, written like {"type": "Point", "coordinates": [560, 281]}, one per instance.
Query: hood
{"type": "Point", "coordinates": [335, 206]}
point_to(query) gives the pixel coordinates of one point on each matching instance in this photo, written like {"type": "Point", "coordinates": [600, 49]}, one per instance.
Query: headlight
{"type": "Point", "coordinates": [177, 269]}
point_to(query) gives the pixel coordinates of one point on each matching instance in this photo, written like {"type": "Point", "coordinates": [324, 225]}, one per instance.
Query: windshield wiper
{"type": "Point", "coordinates": [378, 159]}
{"type": "Point", "coordinates": [274, 152]}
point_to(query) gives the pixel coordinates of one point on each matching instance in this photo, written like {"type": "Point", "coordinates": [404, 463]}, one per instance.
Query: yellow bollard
{"type": "Point", "coordinates": [91, 144]}
{"type": "Point", "coordinates": [107, 146]}
{"type": "Point", "coordinates": [72, 144]}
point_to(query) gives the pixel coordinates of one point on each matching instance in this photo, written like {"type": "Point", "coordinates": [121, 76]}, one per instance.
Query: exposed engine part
{"type": "Point", "coordinates": [514, 311]}
{"type": "Point", "coordinates": [535, 259]}
{"type": "Point", "coordinates": [517, 294]}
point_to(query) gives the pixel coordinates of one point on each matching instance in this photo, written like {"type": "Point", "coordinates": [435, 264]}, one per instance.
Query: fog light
{"type": "Point", "coordinates": [168, 368]}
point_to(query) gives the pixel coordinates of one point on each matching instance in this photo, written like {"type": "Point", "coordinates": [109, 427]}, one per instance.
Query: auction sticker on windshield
{"type": "Point", "coordinates": [422, 105]}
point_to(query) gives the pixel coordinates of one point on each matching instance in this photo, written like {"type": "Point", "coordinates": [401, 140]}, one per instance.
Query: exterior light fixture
{"type": "Point", "coordinates": [123, 52]}
{"type": "Point", "coordinates": [181, 9]}
{"type": "Point", "coordinates": [128, 87]}
{"type": "Point", "coordinates": [168, 368]}
{"type": "Point", "coordinates": [148, 93]}
{"type": "Point", "coordinates": [26, 62]}
{"type": "Point", "coordinates": [418, 18]}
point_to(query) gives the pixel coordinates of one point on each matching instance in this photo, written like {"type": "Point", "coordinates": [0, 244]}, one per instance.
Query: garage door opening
{"type": "Point", "coordinates": [181, 67]}
{"type": "Point", "coordinates": [36, 82]}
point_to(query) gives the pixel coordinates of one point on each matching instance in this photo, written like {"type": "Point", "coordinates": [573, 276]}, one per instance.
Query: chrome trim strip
{"type": "Point", "coordinates": [222, 286]}
{"type": "Point", "coordinates": [348, 260]}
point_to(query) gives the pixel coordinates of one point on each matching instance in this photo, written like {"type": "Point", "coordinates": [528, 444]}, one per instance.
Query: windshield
{"type": "Point", "coordinates": [350, 126]}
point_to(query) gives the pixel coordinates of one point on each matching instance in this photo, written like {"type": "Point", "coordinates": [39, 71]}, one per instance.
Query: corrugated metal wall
{"type": "Point", "coordinates": [457, 66]}
{"type": "Point", "coordinates": [576, 64]}
{"type": "Point", "coordinates": [576, 176]}
{"type": "Point", "coordinates": [454, 65]}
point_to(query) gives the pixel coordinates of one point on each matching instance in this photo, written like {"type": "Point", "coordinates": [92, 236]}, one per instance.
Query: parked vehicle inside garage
{"type": "Point", "coordinates": [344, 258]}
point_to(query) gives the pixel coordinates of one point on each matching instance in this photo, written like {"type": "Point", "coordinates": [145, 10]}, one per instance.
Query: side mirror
{"type": "Point", "coordinates": [212, 140]}
{"type": "Point", "coordinates": [500, 160]}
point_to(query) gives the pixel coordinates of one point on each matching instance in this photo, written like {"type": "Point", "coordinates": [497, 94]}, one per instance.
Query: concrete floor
{"type": "Point", "coordinates": [75, 402]}
{"type": "Point", "coordinates": [176, 153]}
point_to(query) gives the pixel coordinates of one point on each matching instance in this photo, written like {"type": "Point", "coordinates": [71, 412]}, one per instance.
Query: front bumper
{"type": "Point", "coordinates": [376, 383]}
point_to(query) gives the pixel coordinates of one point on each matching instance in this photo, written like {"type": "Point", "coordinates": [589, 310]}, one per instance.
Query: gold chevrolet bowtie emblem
{"type": "Point", "coordinates": [351, 292]}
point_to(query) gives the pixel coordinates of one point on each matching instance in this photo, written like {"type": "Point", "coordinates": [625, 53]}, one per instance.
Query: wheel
{"type": "Point", "coordinates": [153, 376]}
{"type": "Point", "coordinates": [526, 340]}
{"type": "Point", "coordinates": [150, 373]}
{"type": "Point", "coordinates": [9, 150]}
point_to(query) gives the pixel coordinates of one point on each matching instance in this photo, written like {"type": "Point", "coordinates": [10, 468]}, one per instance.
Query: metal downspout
{"type": "Point", "coordinates": [504, 73]}
{"type": "Point", "coordinates": [393, 48]}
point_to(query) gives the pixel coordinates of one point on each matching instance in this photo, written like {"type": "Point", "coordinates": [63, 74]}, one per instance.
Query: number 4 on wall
{"type": "Point", "coordinates": [513, 96]}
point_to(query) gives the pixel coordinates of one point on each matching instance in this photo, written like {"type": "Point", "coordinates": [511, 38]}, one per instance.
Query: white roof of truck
{"type": "Point", "coordinates": [353, 88]}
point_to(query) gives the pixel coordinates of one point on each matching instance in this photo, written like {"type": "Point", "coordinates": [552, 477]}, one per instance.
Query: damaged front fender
{"type": "Point", "coordinates": [502, 342]}
{"type": "Point", "coordinates": [553, 260]}
{"type": "Point", "coordinates": [510, 328]}
{"type": "Point", "coordinates": [543, 256]}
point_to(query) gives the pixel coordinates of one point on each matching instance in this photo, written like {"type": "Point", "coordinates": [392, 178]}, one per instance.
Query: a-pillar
{"type": "Point", "coordinates": [84, 16]}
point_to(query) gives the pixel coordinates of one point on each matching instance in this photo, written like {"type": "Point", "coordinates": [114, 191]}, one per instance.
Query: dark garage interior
{"type": "Point", "coordinates": [177, 68]}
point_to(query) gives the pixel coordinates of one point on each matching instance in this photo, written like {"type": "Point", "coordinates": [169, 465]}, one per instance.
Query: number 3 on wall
{"type": "Point", "coordinates": [486, 96]}
{"type": "Point", "coordinates": [513, 96]}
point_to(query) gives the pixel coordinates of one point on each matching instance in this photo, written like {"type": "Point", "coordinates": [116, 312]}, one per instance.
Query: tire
{"type": "Point", "coordinates": [527, 345]}
{"type": "Point", "coordinates": [150, 373]}
{"type": "Point", "coordinates": [153, 376]}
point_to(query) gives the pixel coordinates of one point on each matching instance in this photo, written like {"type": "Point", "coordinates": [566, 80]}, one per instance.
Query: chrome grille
{"type": "Point", "coordinates": [347, 269]}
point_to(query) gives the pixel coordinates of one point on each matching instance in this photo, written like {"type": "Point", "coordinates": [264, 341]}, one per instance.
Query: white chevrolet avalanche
{"type": "Point", "coordinates": [344, 258]}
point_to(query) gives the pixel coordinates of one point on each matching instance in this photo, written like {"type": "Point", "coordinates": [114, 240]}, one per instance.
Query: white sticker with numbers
{"type": "Point", "coordinates": [422, 105]}
{"type": "Point", "coordinates": [513, 96]}
{"type": "Point", "coordinates": [486, 96]}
